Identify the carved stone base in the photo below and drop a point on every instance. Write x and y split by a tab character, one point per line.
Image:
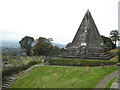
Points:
97	56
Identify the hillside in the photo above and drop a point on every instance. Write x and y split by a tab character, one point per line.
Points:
10	44
63	77
15	44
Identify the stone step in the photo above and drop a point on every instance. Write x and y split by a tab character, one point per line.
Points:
4	81
22	74
93	57
90	54
107	56
110	56
4	87
100	55
8	82
11	79
101	58
26	71
5	84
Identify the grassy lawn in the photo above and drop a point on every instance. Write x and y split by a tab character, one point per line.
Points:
62	77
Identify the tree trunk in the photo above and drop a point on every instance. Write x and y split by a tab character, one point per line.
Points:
115	41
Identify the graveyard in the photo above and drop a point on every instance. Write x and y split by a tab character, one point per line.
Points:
83	63
73	72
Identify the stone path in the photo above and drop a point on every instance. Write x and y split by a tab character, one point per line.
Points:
115	85
106	80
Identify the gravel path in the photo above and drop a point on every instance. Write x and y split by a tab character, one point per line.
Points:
105	81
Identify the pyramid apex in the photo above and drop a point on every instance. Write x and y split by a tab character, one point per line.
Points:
88	11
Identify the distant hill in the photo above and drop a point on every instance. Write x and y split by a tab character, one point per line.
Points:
15	44
9	50
59	45
10	44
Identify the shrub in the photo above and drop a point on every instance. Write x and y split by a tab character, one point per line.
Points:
16	69
76	62
11	70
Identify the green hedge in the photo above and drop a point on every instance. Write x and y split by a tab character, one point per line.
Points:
76	62
16	69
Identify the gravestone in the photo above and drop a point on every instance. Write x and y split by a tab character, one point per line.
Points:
87	42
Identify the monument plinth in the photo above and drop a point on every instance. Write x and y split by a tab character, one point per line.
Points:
87	42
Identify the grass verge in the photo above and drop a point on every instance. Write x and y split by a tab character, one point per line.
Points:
110	83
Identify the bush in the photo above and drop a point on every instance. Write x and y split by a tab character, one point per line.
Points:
16	69
76	62
11	70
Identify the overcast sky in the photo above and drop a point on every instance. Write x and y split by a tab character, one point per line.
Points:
57	19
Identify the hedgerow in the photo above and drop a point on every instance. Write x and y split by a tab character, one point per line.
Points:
77	62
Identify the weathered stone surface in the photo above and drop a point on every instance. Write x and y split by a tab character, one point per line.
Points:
87	42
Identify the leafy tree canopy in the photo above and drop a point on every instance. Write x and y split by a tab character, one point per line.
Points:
108	43
26	44
56	50
43	46
115	36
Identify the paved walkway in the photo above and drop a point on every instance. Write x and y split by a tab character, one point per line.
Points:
116	83
106	80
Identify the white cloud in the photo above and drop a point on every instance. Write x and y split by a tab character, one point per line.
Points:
58	19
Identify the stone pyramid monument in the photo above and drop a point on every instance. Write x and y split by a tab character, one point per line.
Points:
87	42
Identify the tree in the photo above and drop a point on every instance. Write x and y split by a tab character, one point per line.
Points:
26	44
55	50
43	46
62	50
108	42
119	55
115	36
